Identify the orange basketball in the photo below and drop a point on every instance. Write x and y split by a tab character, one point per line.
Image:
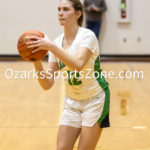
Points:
26	53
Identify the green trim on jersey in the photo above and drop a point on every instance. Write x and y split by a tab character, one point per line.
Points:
104	85
61	65
75	80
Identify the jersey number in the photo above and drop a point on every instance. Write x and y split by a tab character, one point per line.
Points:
75	80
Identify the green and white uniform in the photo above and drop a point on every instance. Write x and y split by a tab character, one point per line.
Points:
84	87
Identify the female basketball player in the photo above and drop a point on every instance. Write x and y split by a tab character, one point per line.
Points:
86	109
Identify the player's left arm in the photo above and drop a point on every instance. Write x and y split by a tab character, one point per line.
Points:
73	62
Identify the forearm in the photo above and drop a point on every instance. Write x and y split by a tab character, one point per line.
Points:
73	62
44	82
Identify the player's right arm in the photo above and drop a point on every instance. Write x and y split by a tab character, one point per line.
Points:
46	82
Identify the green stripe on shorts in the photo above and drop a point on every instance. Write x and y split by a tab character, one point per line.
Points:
104	85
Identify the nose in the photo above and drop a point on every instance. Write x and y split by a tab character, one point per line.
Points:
60	12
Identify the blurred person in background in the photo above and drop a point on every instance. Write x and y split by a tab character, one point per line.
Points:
94	10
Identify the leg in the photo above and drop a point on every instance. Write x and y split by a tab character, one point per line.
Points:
97	28
89	137
66	137
94	26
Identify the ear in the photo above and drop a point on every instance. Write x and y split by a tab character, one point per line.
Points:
78	14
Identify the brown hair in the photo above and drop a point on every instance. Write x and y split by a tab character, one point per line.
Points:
77	5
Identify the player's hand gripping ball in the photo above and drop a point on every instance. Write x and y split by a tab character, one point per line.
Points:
28	53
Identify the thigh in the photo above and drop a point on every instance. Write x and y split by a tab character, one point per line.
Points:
89	137
66	137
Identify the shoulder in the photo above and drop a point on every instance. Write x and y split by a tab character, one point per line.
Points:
87	34
85	31
88	39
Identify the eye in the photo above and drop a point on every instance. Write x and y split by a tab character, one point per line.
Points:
66	8
59	8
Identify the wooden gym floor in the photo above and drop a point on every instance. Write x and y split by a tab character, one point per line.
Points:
29	116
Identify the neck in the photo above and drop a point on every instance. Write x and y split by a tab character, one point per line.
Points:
70	32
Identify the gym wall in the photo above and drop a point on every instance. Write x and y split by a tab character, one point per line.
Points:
115	38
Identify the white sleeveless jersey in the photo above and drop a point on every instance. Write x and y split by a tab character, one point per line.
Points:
88	82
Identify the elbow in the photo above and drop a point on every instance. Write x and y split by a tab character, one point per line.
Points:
47	87
79	68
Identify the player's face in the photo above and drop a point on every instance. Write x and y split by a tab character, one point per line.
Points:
66	13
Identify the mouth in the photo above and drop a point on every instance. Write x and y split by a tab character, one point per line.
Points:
61	19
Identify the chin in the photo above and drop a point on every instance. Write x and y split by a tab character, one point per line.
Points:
62	24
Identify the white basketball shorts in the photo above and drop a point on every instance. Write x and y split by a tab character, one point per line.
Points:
88	112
